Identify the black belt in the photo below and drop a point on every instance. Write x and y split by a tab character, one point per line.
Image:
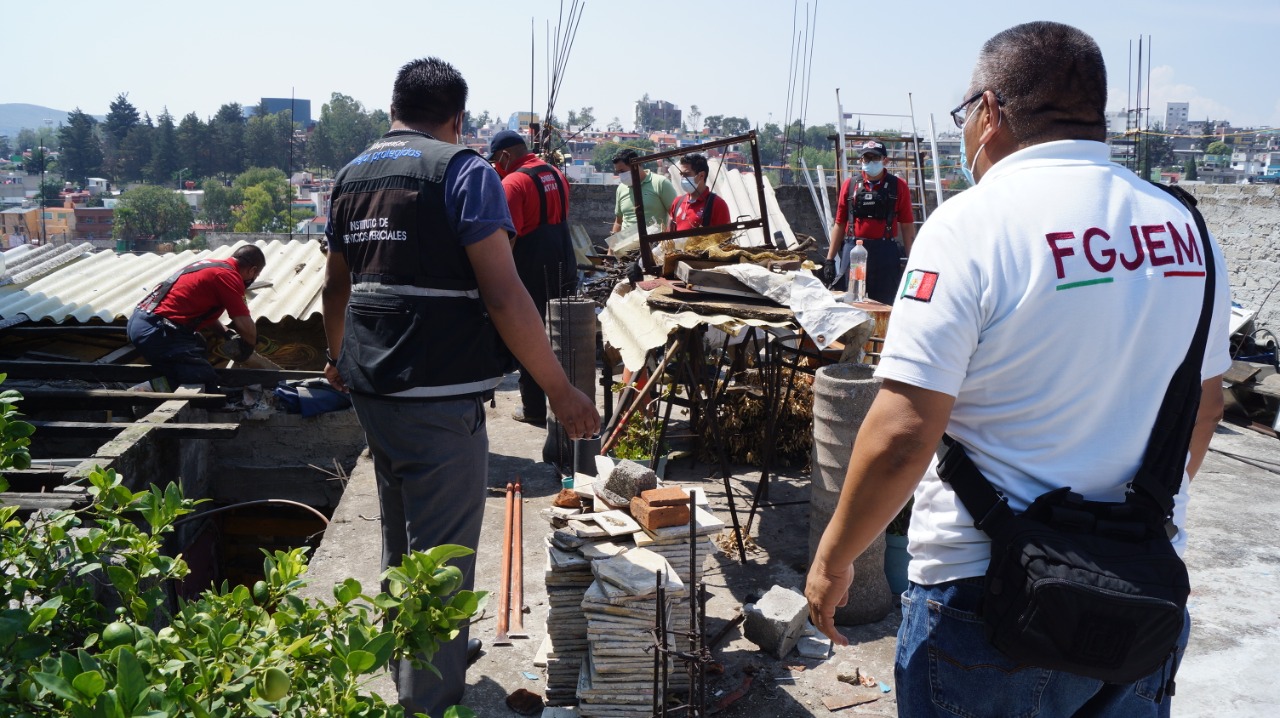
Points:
167	323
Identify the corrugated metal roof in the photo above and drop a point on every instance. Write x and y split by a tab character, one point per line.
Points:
107	286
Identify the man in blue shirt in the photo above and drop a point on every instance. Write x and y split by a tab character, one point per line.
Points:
420	294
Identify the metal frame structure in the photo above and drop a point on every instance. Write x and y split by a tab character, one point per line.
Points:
648	240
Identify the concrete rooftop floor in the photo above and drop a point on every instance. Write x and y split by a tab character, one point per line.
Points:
1234	557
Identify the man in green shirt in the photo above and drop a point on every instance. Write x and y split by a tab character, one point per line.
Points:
657	191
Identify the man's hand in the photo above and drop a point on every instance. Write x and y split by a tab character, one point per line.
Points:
828	272
335	379
576	413
828	589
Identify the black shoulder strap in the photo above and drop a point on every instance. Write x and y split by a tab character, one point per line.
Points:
533	174
1159	477
708	208
891	187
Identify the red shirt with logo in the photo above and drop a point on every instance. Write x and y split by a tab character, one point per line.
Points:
874	228
197	294
522	195
686	212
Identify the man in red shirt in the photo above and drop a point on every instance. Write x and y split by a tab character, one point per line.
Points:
880	206
166	324
699	206
538	197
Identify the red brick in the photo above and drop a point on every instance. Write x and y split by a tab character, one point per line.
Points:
669	496
657	517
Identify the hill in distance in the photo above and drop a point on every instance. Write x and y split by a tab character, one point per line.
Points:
16	115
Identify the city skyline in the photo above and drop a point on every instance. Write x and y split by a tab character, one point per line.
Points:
728	58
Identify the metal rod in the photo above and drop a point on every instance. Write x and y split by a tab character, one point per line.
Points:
504	586
517	567
640	395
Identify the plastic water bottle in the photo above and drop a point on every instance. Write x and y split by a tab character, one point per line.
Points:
857	290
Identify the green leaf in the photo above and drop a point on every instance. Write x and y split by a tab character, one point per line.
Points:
458	712
360	661
57	685
18	430
130	682
122	578
45	613
89	683
381	647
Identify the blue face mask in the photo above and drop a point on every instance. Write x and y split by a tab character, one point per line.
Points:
873	168
966	168
689	185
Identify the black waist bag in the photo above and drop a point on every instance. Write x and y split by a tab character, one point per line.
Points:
1094	588
1085	587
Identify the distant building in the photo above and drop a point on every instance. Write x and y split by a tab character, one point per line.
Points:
1175	116
519	121
273	105
93	223
659	115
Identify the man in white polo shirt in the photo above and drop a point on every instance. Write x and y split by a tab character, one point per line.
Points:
1042	315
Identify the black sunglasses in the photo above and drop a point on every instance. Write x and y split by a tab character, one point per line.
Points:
958	115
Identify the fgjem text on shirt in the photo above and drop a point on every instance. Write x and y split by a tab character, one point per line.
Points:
1096	252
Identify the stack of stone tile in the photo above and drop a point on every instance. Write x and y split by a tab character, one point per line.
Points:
616	679
672	542
568	576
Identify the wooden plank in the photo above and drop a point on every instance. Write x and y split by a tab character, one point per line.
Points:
61	501
101	398
138	373
108	430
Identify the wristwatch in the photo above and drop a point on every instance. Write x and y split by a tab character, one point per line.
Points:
329	357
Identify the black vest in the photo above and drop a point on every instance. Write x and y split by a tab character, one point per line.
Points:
544	256
415	324
867	203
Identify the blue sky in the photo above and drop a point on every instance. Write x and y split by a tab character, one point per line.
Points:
728	57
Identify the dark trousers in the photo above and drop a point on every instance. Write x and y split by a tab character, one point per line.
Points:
179	354
884	269
431	460
548	271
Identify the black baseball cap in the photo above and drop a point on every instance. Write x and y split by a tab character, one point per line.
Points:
503	140
871	147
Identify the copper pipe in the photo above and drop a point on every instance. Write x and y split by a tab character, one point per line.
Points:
504	586
517	568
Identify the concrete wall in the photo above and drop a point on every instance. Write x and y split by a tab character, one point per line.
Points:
1246	221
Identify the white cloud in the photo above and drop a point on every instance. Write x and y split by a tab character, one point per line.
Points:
1165	89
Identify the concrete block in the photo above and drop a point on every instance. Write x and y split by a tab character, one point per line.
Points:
776	621
626	482
656	517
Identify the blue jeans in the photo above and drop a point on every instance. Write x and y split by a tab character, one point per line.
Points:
945	667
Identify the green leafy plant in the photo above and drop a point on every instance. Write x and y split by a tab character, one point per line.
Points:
87	630
639	439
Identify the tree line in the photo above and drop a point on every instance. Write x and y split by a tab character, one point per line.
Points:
128	146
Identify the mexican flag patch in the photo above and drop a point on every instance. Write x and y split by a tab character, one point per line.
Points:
919	285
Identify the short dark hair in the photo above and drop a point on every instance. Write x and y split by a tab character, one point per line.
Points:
249	256
428	91
1051	80
625	156
697	162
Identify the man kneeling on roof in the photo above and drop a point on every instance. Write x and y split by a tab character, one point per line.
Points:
165	327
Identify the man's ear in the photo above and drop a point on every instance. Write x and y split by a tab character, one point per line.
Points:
993	119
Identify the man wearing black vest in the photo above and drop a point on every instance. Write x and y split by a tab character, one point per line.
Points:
420	295
165	327
874	206
538	197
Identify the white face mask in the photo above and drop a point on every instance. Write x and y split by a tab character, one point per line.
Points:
689	184
873	168
625	178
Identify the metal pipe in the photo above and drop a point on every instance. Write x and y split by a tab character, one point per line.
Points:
517	567
504	585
